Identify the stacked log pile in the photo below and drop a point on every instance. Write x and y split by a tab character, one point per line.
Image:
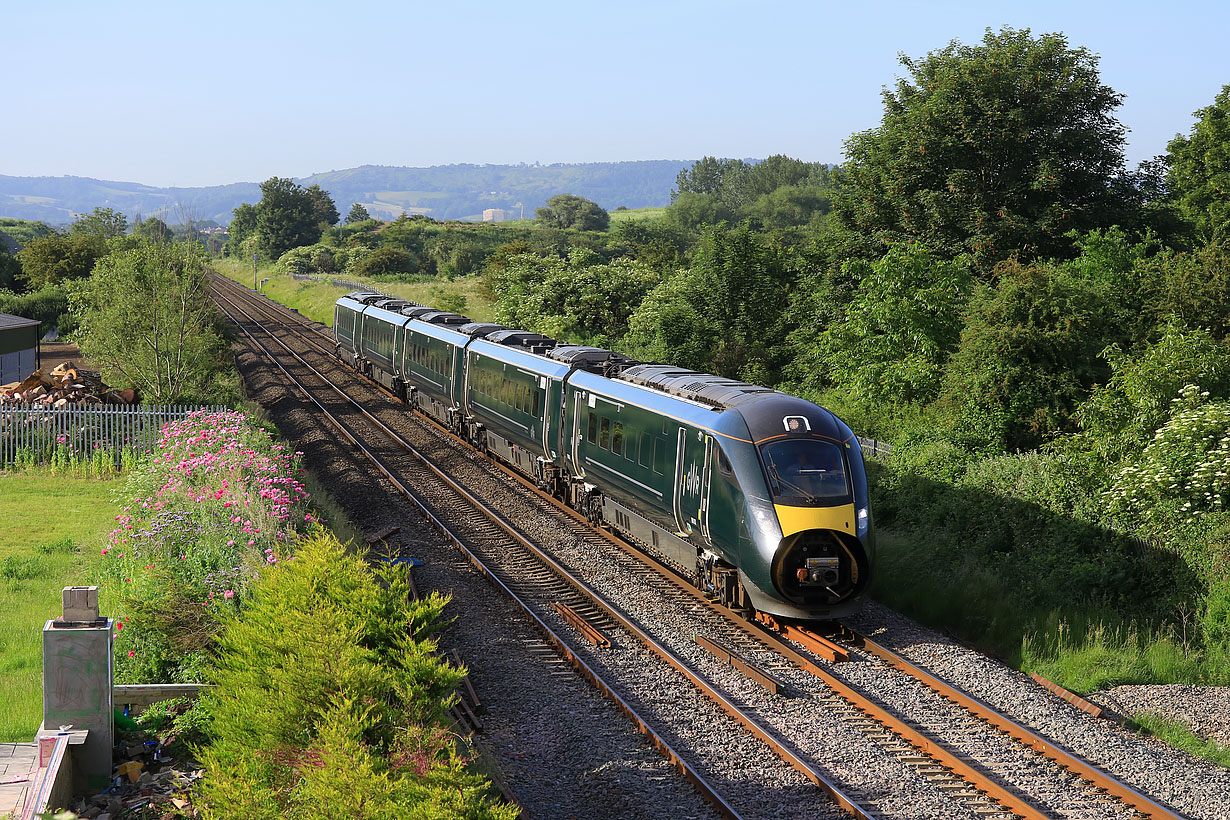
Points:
63	386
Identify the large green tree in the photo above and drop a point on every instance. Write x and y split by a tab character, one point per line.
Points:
287	216
571	211
725	314
147	320
897	331
58	258
996	150
105	223
1199	173
326	210
357	214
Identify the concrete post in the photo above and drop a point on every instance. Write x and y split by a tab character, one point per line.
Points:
77	678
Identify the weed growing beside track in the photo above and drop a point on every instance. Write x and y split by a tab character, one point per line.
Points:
218	499
328	697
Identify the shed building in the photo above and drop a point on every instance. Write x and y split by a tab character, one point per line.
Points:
18	347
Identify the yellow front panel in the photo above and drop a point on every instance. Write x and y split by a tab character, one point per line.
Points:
797	519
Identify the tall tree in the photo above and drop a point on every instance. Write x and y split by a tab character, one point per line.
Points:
1199	174
707	176
286	217
242	225
357	214
147	320
326	210
105	223
571	211
725	314
995	150
153	229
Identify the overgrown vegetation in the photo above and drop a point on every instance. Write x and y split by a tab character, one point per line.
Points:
329	700
328	697
218	499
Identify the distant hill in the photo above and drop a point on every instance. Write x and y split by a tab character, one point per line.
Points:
442	191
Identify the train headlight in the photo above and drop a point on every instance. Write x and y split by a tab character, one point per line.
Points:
861	526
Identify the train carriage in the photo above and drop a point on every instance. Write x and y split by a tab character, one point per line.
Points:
513	392
433	364
376	339
347	313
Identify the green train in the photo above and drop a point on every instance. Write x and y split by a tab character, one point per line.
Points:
760	496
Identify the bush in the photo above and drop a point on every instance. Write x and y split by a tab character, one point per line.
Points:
49	305
218	500
330	702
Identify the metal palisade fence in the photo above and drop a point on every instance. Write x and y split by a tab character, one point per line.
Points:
34	433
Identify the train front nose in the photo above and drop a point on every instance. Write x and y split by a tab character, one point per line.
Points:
820	560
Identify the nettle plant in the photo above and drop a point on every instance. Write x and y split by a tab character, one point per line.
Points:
1183	474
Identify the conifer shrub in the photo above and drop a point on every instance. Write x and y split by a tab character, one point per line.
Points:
329	700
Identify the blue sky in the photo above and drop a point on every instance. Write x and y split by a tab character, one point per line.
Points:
238	92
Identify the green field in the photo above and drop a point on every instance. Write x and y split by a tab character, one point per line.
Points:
51	531
315	299
637	215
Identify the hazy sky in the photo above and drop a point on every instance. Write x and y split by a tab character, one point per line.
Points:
241	91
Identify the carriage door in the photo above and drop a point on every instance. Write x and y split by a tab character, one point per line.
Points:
691	480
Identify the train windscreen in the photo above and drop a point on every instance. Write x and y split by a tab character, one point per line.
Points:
806	468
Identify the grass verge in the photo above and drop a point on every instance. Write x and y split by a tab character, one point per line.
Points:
1082	649
1178	735
315	299
50	531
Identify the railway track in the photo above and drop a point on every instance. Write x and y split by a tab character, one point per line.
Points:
955	753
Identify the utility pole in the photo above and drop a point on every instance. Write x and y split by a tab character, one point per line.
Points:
254	286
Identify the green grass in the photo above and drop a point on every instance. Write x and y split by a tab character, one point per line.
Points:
637	215
315	299
51	531
1176	733
1081	649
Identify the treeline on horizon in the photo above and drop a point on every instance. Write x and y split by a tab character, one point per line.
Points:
1042	332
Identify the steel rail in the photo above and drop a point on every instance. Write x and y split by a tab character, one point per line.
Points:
707	791
1084	769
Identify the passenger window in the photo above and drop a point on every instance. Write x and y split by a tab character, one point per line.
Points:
617	438
537	403
604	434
593	429
659	456
646	450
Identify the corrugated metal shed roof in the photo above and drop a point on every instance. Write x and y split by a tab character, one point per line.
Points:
8	321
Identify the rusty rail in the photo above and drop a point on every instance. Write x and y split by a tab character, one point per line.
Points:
1142	803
